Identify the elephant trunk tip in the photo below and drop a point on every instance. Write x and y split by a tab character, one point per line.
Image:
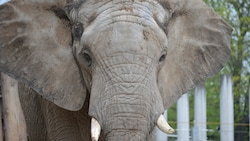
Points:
95	129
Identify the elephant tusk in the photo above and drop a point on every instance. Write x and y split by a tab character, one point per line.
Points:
164	126
95	129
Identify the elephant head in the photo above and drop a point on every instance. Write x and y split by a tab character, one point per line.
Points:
134	58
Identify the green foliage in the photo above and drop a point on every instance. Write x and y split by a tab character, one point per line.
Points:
172	116
213	107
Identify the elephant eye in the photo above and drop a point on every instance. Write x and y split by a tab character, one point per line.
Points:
162	58
87	59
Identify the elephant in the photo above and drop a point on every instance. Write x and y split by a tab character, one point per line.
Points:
107	69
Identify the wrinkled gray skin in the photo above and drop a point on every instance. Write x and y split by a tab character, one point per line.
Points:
122	62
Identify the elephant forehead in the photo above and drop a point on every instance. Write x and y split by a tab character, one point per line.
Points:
127	37
123	26
102	13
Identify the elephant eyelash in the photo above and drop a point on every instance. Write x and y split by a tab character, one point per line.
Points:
163	57
86	58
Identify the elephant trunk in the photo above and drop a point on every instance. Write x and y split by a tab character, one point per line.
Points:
128	105
129	114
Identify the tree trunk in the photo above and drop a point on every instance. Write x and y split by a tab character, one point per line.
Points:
15	127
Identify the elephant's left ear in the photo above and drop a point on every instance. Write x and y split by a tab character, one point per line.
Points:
35	48
199	46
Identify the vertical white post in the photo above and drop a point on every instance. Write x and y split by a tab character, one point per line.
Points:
183	118
200	117
226	109
159	135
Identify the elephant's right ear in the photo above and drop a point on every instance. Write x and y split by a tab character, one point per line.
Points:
199	46
35	48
